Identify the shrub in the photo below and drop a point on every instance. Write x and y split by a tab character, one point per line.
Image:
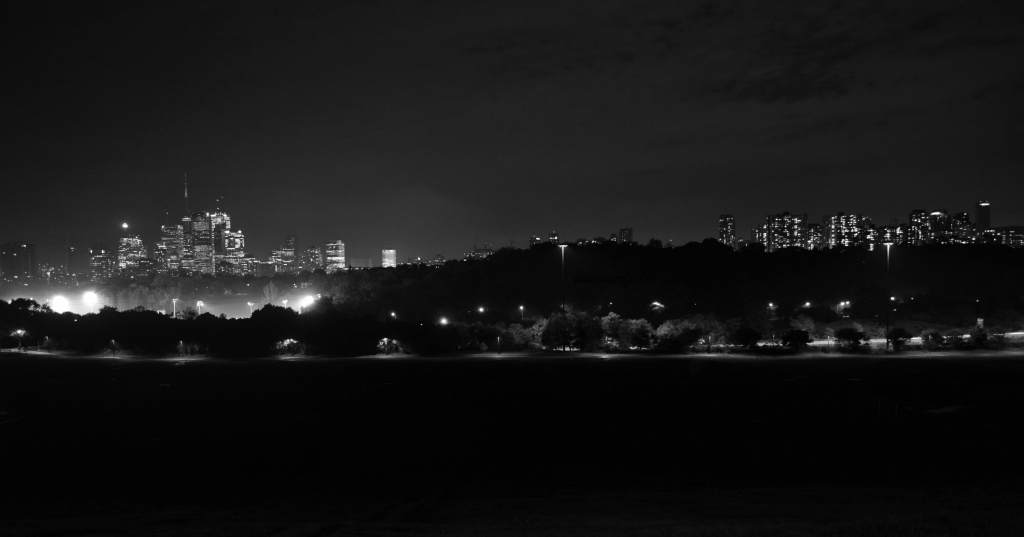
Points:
931	339
899	337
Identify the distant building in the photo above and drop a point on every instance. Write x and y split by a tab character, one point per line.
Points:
102	262
815	237
782	230
130	251
919	227
437	261
626	235
535	240
388	258
478	253
963	231
553	237
846	230
983	215
18	261
283	258
727	230
335	257
168	249
312	259
202	243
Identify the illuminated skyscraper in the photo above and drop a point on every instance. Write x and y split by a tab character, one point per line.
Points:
847	230
919	227
18	261
983	216
727	230
815	237
168	248
389	258
335	261
312	259
784	231
283	258
102	262
130	251
202	243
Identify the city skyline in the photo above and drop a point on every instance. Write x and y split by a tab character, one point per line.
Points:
430	128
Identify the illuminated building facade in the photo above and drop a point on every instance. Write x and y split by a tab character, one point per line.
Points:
312	259
18	261
130	251
727	230
388	258
202	243
782	230
553	237
919	227
335	257
168	248
626	235
535	240
102	262
846	230
815	237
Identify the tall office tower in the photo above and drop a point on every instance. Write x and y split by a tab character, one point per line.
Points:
940	227
168	248
815	237
388	258
626	235
75	262
553	237
283	258
335	261
187	246
312	259
727	230
963	230
785	231
220	226
847	230
202	243
102	262
130	251
18	261
919	227
983	215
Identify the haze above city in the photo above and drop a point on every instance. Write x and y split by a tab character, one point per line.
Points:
433	127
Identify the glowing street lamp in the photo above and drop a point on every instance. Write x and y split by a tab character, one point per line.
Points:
480	309
444	321
91	298
393	315
306	301
250	308
888	291
521	313
562	248
19	332
285	302
199	305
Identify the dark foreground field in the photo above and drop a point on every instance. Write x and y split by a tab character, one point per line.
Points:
512	446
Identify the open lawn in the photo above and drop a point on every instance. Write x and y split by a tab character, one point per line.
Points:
488	445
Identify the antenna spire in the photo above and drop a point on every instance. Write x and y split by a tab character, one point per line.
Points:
186	192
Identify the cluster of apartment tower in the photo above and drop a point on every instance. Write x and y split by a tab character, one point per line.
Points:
787	230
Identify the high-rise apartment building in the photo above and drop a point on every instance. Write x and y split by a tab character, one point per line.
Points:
983	215
963	231
626	235
815	237
18	261
783	231
312	259
388	258
848	230
919	229
335	261
727	230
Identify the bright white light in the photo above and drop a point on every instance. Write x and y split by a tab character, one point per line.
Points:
807	304
90	298
59	304
444	320
306	301
125	225
480	309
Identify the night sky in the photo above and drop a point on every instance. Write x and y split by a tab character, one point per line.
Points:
431	126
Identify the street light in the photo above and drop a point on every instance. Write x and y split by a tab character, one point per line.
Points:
393	315
174	308
444	321
285	302
562	248
521	314
888	292
199	305
19	332
91	298
250	308
480	309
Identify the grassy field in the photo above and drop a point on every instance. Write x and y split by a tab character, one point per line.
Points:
542	445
